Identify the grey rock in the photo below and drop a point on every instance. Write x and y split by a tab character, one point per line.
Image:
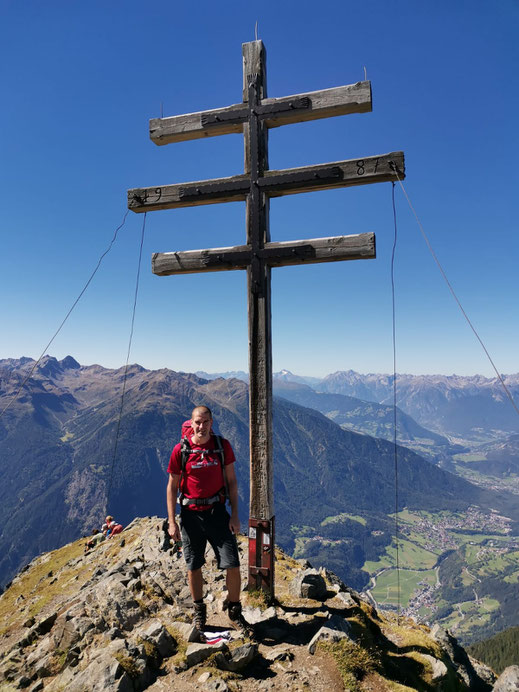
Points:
134	585
309	584
204	677
279	653
186	631
237	659
459	658
37	686
158	635
43	666
196	653
103	674
68	632
333	631
336	622
333	579
44	647
256	615
114	602
508	681
304	563
347	599
114	633
439	669
484	672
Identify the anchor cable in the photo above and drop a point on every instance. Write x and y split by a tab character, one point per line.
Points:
395	446
118	428
458	302
33	368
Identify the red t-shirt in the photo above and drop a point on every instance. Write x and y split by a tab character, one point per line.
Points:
203	476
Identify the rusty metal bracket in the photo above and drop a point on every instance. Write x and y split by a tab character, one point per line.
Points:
287	180
261	555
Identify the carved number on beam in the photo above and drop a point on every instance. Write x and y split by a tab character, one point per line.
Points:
373	169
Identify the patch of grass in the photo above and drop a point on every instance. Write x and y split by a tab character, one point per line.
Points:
468	457
211	667
410	635
258	599
386	590
150	650
340	518
353	661
37	580
128	664
57	661
179	659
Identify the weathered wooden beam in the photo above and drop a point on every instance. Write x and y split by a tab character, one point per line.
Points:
326	103
371	169
277	254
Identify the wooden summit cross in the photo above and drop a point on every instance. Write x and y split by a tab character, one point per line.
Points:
254	116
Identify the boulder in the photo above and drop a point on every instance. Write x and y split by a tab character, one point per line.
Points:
336	628
459	658
439	669
347	599
309	584
508	681
187	631
484	672
237	659
196	653
103	674
161	638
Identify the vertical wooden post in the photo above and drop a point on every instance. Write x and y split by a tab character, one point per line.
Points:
261	522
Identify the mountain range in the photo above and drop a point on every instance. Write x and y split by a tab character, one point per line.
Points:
60	461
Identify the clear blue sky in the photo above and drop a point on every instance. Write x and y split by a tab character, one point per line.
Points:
80	81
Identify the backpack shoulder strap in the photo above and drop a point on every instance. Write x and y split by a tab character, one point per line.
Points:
218	448
185	451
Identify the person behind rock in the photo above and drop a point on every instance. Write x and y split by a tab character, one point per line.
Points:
112	527
205	518
97	537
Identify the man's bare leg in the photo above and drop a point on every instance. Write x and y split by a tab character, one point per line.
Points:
196	583
233	581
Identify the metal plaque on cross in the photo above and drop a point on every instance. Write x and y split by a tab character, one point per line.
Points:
253	117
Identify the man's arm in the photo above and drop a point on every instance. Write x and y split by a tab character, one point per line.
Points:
171	495
232	487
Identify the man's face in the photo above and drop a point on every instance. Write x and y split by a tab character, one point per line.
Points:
201	424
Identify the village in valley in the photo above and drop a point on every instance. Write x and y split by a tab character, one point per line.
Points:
479	545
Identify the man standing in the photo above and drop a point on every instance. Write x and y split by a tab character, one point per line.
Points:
208	475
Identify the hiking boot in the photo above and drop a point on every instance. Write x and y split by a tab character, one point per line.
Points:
199	619
236	617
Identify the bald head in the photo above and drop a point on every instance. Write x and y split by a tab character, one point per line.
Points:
201	410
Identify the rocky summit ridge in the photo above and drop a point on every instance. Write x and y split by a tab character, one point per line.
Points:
118	619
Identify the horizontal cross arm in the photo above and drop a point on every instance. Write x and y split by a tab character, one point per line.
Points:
343	100
326	176
279	254
371	169
182	128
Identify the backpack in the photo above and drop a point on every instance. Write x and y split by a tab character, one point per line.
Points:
185	451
